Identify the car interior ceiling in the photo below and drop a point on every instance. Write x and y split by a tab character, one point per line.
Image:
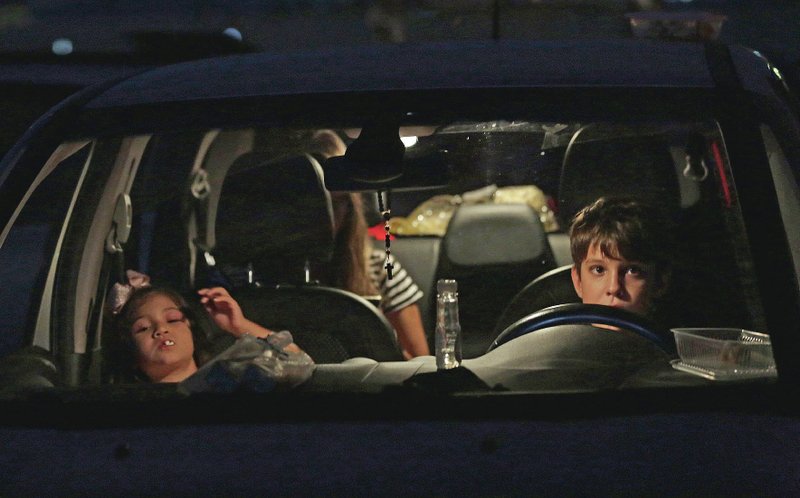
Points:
268	212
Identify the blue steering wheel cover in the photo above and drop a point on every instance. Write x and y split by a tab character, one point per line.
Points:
565	314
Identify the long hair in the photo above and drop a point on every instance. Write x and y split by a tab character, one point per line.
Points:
351	249
121	350
349	264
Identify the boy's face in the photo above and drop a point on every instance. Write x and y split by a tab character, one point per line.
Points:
614	281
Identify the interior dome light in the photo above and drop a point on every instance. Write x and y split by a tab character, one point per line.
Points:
409	141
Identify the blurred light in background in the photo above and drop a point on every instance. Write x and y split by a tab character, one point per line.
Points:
233	33
62	46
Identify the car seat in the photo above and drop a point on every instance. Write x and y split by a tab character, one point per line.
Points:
548	289
274	216
274	219
595	165
492	251
641	167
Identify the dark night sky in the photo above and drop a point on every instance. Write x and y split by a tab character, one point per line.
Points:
100	26
106	39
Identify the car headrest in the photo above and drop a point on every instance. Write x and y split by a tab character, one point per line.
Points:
493	234
594	166
274	215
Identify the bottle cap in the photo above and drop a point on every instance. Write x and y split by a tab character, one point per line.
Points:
446	285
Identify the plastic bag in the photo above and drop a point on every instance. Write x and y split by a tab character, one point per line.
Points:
432	216
253	364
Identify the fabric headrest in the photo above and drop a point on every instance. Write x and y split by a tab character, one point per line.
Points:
493	234
640	167
273	213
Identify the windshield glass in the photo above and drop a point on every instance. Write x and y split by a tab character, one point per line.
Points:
271	216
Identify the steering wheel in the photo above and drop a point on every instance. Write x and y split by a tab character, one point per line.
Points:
572	313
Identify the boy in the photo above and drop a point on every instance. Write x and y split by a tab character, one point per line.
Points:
621	251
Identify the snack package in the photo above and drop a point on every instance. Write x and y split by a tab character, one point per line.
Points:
253	364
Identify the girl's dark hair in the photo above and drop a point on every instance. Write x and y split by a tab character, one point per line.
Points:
349	262
122	349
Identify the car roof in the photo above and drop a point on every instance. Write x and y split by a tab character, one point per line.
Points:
438	66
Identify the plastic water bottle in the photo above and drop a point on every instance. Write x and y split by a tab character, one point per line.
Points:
448	330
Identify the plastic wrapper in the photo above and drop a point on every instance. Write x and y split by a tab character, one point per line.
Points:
432	216
253	364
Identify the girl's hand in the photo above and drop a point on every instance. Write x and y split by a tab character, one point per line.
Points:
223	309
227	313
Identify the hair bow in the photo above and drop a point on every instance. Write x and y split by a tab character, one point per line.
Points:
120	293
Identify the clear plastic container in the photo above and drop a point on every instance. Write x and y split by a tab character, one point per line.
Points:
448	329
724	353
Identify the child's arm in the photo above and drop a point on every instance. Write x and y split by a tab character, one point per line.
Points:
227	314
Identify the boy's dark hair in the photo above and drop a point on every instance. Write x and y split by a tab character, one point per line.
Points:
122	349
623	227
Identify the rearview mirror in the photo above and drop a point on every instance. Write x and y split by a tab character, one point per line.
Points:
376	161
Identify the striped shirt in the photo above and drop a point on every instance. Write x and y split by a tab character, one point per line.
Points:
397	293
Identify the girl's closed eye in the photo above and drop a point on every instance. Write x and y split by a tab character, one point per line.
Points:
139	327
174	316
